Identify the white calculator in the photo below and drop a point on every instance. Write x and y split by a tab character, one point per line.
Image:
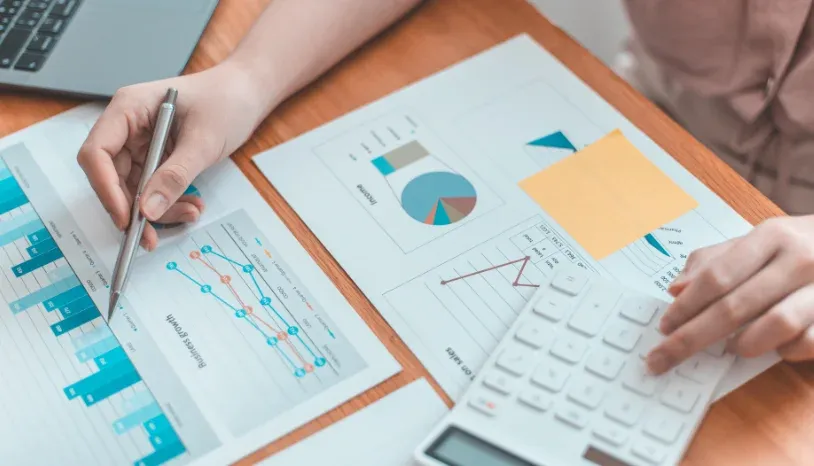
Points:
568	386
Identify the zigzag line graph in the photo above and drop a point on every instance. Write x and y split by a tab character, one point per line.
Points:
516	283
277	332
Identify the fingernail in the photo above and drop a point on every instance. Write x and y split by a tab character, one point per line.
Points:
188	217
675	288
155	206
657	363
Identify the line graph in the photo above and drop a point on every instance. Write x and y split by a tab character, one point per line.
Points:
261	332
522	261
277	329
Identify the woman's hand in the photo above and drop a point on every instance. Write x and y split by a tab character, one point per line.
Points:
217	110
757	291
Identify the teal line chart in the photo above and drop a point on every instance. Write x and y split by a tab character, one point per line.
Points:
279	333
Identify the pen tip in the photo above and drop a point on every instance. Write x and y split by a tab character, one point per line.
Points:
114	302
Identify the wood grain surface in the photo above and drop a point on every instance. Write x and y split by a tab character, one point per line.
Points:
766	422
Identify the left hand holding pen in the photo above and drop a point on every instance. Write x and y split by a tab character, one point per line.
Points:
757	291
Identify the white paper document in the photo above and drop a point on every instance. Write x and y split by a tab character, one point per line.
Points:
432	199
385	433
229	336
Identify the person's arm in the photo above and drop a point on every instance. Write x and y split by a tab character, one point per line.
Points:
291	44
294	41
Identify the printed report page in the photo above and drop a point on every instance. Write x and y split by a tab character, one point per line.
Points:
229	336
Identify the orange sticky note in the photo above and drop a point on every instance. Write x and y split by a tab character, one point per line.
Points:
608	195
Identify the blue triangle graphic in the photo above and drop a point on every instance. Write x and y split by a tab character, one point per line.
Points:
554	140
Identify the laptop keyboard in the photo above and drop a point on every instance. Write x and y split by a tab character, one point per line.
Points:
29	29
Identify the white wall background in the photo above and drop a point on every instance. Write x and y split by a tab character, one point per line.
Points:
602	31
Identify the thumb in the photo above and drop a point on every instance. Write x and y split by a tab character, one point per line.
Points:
173	177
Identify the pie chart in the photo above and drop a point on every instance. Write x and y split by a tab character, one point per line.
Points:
439	198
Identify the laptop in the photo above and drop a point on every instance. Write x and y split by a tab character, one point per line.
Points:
91	48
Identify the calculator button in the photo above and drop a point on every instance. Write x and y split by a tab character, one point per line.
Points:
716	349
572	416
591	314
622	336
515	360
569	282
485	404
569	348
534	334
649	452
551	376
649	341
664	427
680	395
640	310
611	434
624	409
499	382
638	380
701	368
586	393
535	399
605	364
553	306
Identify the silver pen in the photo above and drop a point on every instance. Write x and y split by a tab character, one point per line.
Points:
132	236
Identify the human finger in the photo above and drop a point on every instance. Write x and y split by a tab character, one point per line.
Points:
780	325
180	212
697	259
723	318
189	158
799	349
149	237
96	157
719	277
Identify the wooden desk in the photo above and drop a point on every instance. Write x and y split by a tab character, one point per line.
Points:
764	422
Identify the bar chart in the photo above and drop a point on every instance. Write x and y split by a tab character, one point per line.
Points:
69	358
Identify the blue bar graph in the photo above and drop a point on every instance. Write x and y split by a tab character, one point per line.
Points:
75	321
10	204
90	337
15	223
136	418
43	294
113	387
65	297
163	438
43	246
157	424
59	273
37	262
110	358
98	380
9	235
76	306
9	187
166	453
39	235
165	450
139	399
62	291
100	347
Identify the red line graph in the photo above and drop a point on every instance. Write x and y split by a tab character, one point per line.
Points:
516	282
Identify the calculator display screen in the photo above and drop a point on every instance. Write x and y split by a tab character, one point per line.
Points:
458	448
